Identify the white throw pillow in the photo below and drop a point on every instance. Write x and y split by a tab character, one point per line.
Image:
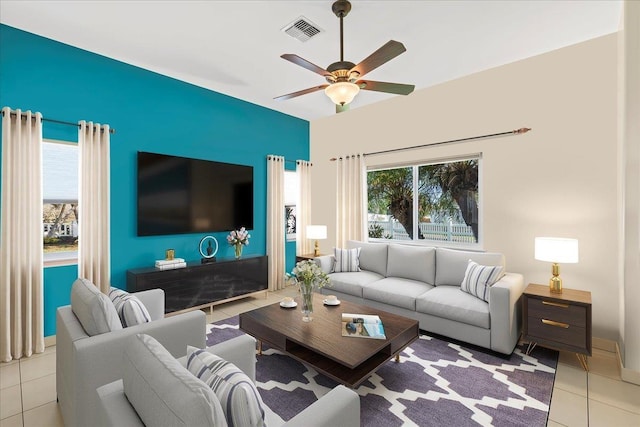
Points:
479	278
94	310
162	391
346	260
129	308
238	395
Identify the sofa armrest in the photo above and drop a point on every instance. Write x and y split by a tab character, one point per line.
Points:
153	300
325	262
114	407
505	312
339	407
241	351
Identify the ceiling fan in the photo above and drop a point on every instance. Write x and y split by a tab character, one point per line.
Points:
343	76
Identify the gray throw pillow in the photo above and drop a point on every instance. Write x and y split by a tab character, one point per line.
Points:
238	395
129	308
479	278
94	310
162	391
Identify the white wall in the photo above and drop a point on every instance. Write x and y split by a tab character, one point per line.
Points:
630	147
560	179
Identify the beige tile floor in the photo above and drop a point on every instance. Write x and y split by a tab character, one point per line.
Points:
597	398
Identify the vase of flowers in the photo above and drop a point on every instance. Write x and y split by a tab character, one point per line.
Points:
238	239
309	277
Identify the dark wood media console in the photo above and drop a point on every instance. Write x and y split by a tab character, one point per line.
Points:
199	285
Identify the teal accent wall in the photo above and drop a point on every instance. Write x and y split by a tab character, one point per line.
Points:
150	112
57	291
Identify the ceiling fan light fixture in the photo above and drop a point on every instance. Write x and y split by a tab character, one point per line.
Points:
342	93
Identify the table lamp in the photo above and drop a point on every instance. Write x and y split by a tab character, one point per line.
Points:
317	232
556	250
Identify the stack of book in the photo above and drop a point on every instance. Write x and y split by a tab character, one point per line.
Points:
170	264
362	326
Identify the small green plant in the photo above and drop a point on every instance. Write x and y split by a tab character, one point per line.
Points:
51	240
376	231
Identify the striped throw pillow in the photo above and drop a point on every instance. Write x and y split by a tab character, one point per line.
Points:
479	278
346	260
238	395
130	309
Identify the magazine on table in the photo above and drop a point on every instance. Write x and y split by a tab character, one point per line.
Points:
362	326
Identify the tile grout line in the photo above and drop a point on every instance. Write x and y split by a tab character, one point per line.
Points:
588	411
21	398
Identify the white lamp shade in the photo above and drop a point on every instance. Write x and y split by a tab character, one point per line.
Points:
342	93
317	232
556	249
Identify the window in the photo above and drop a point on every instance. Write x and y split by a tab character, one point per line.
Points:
60	202
435	202
290	202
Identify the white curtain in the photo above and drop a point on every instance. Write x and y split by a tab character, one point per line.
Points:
94	261
21	295
275	221
351	203
304	246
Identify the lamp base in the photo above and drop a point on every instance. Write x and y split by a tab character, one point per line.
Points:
316	249
555	285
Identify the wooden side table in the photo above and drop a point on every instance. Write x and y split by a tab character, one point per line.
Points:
558	321
305	257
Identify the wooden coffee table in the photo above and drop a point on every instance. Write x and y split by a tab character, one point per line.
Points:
320	344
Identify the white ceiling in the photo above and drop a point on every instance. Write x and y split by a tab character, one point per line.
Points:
234	47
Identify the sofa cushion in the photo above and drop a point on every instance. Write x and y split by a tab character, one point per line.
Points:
412	262
396	291
129	308
162	391
352	283
373	256
94	310
239	397
346	260
479	278
450	302
451	264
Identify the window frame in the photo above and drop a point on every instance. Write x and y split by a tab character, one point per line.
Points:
291	200
478	246
71	259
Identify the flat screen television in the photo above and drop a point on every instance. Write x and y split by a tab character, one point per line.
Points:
181	195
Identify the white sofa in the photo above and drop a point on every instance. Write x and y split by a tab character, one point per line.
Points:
339	407
424	283
85	362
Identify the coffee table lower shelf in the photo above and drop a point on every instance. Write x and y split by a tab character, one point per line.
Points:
351	377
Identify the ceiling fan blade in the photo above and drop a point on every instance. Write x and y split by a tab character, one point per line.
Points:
386	53
305	64
397	88
300	92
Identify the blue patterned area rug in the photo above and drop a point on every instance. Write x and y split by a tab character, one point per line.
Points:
436	383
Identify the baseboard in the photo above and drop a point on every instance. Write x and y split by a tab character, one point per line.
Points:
627	375
50	341
604	344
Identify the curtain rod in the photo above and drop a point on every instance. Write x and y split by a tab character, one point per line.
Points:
291	161
13	113
492	135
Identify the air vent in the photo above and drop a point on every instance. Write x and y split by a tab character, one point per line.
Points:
302	29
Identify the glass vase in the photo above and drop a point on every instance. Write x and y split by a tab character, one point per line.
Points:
238	250
306	290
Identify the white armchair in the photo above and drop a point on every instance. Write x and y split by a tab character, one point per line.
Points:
339	407
83	362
